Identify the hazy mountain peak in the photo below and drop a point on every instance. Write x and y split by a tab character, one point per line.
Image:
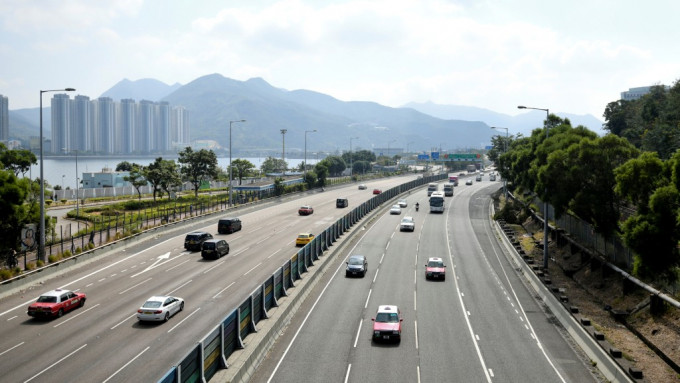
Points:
143	89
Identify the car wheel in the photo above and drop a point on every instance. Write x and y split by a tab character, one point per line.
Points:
82	302
60	313
167	317
181	307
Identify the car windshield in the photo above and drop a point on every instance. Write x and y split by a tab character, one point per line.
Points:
387	317
209	245
406	220
395	207
152	304
47	299
303	236
435	264
356	261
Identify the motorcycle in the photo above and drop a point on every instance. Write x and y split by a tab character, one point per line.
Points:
417	206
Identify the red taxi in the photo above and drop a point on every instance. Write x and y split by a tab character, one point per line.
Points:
435	269
55	303
306	210
387	323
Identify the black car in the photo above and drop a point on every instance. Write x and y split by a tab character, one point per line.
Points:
214	248
193	241
356	265
341	202
228	225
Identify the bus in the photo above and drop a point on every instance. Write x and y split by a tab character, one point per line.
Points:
433	187
448	190
453	180
437	202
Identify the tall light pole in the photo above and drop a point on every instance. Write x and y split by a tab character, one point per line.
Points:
505	150
545	202
77	188
283	149
305	163
62	182
388	150
41	248
230	170
351	169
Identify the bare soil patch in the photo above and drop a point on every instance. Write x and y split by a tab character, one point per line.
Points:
597	291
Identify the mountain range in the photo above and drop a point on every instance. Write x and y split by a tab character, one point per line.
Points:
326	122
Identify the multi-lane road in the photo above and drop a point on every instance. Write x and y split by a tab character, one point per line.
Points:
479	325
103	341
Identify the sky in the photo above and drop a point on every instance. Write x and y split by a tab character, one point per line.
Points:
571	57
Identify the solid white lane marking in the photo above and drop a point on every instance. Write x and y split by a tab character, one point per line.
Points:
368	297
130	288
415	325
214	266
356	339
179	287
349	367
126	364
75	316
55	363
254	267
182	321
11	348
221	291
123	321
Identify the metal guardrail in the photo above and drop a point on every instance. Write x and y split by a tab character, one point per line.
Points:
211	353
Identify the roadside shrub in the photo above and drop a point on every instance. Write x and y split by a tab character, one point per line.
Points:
66	254
48	202
78	250
41	263
90	246
30	266
5	274
63	200
52	258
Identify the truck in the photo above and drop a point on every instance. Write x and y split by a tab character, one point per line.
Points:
471	168
453	180
448	190
433	187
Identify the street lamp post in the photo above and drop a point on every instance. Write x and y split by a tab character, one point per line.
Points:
505	150
62	182
283	149
77	189
230	170
351	169
304	170
545	202
388	151
41	248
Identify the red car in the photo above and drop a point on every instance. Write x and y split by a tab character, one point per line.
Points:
387	323
435	269
377	191
55	303
306	210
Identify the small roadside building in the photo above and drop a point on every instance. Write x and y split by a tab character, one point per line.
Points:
107	178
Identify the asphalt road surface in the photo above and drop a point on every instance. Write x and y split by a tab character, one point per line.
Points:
479	325
104	342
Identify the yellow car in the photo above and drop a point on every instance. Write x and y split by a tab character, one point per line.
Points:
303	239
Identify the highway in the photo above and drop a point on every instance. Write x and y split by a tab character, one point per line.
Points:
103	341
479	325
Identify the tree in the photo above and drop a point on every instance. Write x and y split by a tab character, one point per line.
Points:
335	165
136	178
321	174
198	166
172	179
361	167
310	179
125	166
15	211
18	160
157	172
272	165
241	168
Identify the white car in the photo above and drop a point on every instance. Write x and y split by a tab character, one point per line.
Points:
160	308
362	187
407	224
395	209
402	203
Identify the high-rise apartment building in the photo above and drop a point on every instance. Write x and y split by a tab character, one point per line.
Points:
4	118
106	127
61	123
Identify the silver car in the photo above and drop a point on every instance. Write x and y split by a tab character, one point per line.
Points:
402	203
407	224
395	209
160	308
